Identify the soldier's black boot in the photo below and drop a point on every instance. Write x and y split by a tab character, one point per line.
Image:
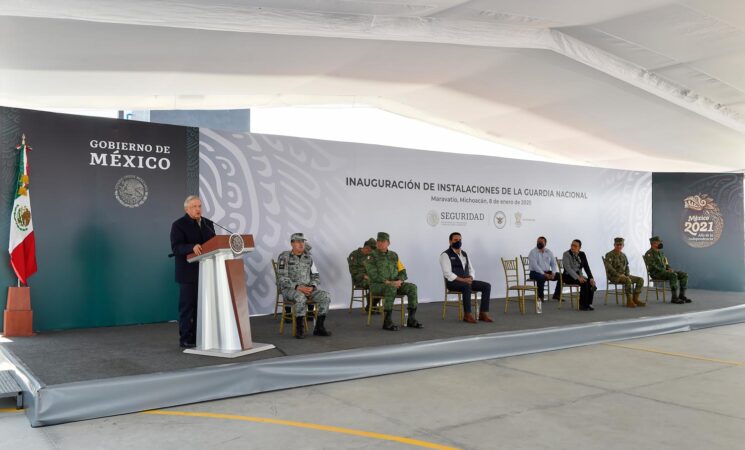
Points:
412	322
677	300
683	296
300	327
388	323
320	329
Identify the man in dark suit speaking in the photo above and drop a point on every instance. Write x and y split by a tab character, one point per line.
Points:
187	235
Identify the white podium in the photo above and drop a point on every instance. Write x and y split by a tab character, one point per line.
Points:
223	321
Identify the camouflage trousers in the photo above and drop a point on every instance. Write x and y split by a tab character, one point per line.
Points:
319	297
676	278
389	293
631	284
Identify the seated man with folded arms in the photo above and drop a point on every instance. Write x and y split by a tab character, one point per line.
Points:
388	279
356	261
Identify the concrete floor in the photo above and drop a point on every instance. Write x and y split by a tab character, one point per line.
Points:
681	391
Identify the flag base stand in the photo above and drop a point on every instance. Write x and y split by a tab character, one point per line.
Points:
18	317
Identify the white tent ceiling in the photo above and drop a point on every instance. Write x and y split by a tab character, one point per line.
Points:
639	84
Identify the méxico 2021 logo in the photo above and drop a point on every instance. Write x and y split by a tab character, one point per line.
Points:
702	221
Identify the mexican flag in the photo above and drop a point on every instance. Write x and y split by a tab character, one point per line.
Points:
22	246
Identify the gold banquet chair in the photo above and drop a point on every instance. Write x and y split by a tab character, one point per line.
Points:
278	297
526	275
288	308
656	285
376	304
573	288
458	303
359	294
512	279
616	291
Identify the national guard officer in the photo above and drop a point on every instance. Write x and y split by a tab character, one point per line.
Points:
356	261
617	268
659	269
298	281
388	278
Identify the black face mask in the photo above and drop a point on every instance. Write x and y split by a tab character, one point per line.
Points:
659	247
540	245
457	245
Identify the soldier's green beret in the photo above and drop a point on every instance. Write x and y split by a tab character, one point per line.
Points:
618	240
370	243
383	236
655	239
297	237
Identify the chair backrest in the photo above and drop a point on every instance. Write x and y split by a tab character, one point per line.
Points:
510	271
606	268
526	266
560	266
646	267
276	278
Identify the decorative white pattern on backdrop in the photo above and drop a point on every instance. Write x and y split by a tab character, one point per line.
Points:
273	186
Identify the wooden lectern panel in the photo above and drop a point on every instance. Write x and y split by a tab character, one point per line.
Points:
239	296
222	241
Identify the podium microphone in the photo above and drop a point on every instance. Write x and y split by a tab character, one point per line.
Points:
229	231
171	255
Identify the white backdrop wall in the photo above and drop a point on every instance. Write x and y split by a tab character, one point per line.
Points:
273	186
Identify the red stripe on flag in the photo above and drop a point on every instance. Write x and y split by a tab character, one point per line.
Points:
23	258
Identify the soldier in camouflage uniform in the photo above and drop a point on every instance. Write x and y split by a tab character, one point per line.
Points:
356	261
617	268
659	269
388	278
298	281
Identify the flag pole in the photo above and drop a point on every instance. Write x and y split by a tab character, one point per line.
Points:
23	143
18	315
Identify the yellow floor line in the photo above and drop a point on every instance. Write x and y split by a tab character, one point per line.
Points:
2	410
312	426
680	355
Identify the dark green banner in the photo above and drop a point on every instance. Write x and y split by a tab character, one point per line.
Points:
104	193
699	217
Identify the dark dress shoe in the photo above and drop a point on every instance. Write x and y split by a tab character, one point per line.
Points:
484	317
188	344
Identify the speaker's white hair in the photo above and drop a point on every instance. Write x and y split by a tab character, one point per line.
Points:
189	199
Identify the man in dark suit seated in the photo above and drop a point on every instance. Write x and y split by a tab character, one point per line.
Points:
577	271
187	236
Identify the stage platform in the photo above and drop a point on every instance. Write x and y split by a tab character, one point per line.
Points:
81	374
